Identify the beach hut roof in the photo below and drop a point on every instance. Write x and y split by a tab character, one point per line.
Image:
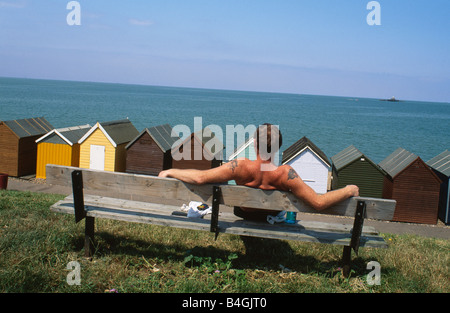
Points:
346	156
29	127
299	146
241	148
162	135
117	132
441	163
70	135
350	155
397	161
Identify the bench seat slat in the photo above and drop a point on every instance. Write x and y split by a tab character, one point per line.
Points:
169	215
161	209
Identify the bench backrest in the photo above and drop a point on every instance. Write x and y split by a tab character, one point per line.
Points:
172	191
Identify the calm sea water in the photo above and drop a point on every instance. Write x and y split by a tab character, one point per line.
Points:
375	127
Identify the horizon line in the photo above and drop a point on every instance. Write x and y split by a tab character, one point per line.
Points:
218	89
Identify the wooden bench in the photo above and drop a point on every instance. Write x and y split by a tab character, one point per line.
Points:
154	200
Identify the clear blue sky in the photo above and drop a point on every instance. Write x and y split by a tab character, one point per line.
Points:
320	47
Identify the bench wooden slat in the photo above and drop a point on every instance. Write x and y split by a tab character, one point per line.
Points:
382	209
171	191
163	215
92	202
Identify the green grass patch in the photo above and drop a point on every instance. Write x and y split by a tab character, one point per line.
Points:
36	245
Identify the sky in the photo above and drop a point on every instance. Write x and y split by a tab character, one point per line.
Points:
319	47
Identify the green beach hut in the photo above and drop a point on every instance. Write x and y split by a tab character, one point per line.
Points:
352	167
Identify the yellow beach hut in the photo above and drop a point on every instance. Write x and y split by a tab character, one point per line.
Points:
60	147
103	146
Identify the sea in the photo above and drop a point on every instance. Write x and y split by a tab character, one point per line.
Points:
376	128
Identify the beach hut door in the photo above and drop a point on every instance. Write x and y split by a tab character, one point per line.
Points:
97	160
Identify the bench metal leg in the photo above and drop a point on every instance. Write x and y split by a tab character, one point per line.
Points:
89	236
215	211
358	223
78	197
346	260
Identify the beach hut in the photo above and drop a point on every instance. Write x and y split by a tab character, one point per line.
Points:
103	146
60	147
18	148
150	152
352	167
311	164
440	164
414	186
200	150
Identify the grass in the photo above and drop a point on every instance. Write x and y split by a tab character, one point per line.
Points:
36	246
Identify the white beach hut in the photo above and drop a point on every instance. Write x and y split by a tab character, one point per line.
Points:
311	164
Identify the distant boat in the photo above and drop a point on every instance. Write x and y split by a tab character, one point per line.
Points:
392	99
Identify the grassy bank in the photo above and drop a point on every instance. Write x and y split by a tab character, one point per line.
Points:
36	245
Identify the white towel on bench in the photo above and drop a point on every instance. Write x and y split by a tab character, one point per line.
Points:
193	209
